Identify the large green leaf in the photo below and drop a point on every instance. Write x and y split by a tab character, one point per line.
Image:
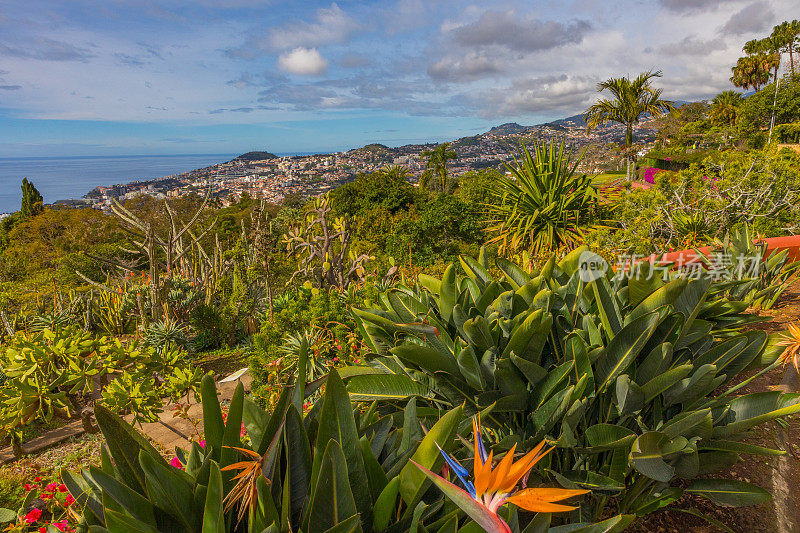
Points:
298	458
384	387
442	434
170	491
623	349
213	512
336	422
607	307
754	409
124	444
331	501
131	501
665	295
729	492
648	457
426	358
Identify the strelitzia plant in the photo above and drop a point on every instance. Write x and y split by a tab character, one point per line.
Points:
492	487
791	340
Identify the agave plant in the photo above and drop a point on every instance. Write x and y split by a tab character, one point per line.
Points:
544	203
167	334
51	321
760	277
617	372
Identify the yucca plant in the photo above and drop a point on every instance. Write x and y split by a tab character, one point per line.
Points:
760	278
617	372
544	203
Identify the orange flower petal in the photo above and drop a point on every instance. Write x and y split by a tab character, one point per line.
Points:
540	500
523	466
498	478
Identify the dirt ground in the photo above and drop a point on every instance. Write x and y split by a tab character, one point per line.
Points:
779	475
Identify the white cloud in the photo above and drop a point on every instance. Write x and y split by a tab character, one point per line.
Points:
305	61
331	25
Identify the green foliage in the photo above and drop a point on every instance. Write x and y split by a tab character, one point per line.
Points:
436	164
761	279
702	203
55	372
32	200
334	469
545	204
618	372
391	218
756	111
323	312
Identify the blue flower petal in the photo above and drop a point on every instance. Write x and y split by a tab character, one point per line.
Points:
459	471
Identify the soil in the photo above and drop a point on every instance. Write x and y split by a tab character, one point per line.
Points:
779	475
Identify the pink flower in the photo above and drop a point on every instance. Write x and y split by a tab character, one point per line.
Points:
243	432
176	463
203	443
33	516
45	495
61	526
51	487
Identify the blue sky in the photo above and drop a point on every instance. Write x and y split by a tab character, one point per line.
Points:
106	77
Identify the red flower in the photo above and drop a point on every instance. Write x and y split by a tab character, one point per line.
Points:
51	487
33	516
45	495
42	529
62	488
37	479
69	501
61	526
28	487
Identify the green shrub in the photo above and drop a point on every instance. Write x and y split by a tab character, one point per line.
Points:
334	469
620	372
306	308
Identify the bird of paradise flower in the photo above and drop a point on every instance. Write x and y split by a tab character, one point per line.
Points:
491	488
791	340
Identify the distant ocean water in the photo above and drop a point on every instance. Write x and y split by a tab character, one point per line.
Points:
62	178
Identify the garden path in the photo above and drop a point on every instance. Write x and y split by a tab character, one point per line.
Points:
172	430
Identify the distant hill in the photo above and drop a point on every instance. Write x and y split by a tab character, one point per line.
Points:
256	156
509	128
574	120
375	148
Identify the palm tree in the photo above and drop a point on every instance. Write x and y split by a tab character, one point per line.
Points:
788	34
632	100
394	172
725	107
750	72
437	162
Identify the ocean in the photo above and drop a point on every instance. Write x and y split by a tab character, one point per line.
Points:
61	178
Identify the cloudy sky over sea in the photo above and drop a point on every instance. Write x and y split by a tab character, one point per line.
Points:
104	77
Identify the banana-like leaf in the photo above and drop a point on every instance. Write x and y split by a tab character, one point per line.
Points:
336	422
442	434
623	349
729	492
213	513
331	501
647	456
384	387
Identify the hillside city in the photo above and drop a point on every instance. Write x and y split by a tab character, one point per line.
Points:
269	177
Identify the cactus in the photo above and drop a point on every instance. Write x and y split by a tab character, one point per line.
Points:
324	247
